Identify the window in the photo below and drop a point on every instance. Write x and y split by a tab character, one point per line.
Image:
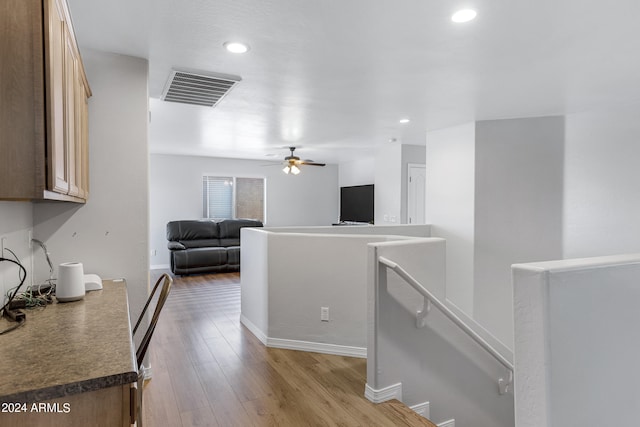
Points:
232	197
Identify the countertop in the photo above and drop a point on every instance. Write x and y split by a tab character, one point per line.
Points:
69	348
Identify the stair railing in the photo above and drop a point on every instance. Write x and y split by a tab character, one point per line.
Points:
430	300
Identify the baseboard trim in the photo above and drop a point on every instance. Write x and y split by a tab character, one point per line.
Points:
393	391
315	347
147	374
159	267
318	347
422	409
254	329
448	423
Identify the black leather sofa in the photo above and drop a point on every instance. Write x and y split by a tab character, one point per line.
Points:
206	246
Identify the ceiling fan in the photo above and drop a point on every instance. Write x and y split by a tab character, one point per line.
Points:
292	162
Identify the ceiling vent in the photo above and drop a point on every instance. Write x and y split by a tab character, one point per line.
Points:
197	88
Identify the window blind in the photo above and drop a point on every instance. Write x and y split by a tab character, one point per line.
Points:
233	197
217	193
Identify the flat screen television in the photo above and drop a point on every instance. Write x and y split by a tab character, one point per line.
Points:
356	204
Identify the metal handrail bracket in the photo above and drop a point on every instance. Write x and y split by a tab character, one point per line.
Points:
421	315
429	300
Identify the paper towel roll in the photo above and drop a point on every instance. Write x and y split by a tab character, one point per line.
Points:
70	284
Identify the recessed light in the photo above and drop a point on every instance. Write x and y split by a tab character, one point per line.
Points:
464	15
236	47
404	121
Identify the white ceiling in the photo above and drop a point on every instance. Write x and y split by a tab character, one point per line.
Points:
334	77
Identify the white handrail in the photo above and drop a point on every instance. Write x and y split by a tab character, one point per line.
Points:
447	312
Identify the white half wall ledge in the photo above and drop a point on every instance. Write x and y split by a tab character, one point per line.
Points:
159	267
398	230
393	391
564	265
313	347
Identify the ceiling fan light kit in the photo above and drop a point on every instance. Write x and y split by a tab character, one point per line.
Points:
291	169
292	162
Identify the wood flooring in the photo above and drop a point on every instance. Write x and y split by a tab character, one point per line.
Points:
209	370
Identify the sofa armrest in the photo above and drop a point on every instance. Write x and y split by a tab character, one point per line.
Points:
174	246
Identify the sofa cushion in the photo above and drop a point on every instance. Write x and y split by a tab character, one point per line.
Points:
230	228
200	243
229	242
192	230
233	256
200	270
175	246
199	257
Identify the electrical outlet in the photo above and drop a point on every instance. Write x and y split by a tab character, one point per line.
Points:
154	252
324	314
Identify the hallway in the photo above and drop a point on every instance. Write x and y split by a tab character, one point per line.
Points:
208	370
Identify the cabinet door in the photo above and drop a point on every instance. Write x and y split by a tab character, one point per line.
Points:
82	138
70	113
58	167
85	140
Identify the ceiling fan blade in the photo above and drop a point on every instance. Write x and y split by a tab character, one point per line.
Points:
311	163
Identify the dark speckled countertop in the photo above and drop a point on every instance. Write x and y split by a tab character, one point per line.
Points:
69	348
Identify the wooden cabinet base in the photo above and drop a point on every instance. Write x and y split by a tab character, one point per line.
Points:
108	407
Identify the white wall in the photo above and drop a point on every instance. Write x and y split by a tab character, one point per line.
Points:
16	221
450	162
391	181
109	234
602	182
518	209
388	175
309	271
289	273
494	192
255	281
357	172
175	193
577	347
